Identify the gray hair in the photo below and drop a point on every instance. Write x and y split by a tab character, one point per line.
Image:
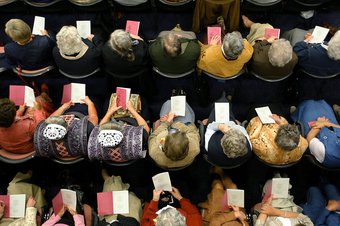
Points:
233	44
120	41
280	53
170	217
56	120
287	137
234	143
171	44
69	41
334	47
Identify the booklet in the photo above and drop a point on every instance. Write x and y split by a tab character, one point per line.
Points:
222	112
234	197
213	31
319	34
123	96
74	92
272	32
280	187
64	197
115	202
38	25
22	95
162	181
2	49
84	28
178	105
132	27
14	205
264	114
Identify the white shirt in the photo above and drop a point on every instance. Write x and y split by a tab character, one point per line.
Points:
317	148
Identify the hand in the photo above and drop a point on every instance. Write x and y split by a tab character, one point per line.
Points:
215	40
22	108
271	39
136	37
113	107
2	208
269	210
171	116
205	121
62	211
276	118
67	105
223	127
175	193
322	119
333	205
156	195
90	37
308	37
129	106
71	211
43	32
31	202
87	100
163	118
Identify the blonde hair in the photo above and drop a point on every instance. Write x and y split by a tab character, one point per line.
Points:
334	47
18	30
176	146
69	41
120	41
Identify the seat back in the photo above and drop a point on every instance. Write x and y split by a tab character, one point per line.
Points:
243	70
11	158
32	73
41	4
318	76
169	75
79	76
271	80
126	163
264	3
315	162
68	160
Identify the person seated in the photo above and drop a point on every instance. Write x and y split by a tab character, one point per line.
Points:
120	139
27	51
227	144
276	143
315	58
61	219
214	209
17	126
321	130
77	56
65	133
125	53
175	51
272	59
322	209
175	142
279	211
186	215
227	59
133	218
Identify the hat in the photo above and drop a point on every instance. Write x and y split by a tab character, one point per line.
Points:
54	132
109	138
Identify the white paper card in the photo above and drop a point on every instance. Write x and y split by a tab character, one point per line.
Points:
38	25
17	205
222	112
69	198
29	96
235	197
162	181
264	114
84	28
280	187
78	92
178	105
120	202
319	34
164	208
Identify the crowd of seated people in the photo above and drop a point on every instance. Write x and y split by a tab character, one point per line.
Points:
173	142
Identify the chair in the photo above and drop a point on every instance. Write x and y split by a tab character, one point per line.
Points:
41	4
79	76
169	75
11	158
310	3
264	3
127	76
68	160
243	70
32	73
174	6
315	162
172	168
2	3
318	76
82	3
125	7
2	69
278	166
271	80
127	163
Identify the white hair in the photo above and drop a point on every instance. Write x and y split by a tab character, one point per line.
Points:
121	42
170	217
69	41
334	47
280	53
233	44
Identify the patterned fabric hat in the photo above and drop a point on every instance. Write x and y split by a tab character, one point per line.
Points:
54	132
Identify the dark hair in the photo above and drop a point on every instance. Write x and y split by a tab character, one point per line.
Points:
287	137
7	112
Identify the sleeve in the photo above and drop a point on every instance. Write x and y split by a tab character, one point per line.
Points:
210	131
149	213
31	216
9	57
317	148
302	51
259	223
254	128
248	50
52	221
304	220
162	127
193	214
321	218
333	219
78	220
98	41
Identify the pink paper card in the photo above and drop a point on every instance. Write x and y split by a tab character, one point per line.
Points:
214	31
17	94
224	201
6	200
132	27
268	193
57	203
121	97
2	49
67	93
272	32
105	203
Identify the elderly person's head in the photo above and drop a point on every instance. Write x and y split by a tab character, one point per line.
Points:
69	41
232	45
111	134
171	44
56	128
7	112
234	143
176	146
334	46
287	137
18	31
170	217
121	42
280	53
